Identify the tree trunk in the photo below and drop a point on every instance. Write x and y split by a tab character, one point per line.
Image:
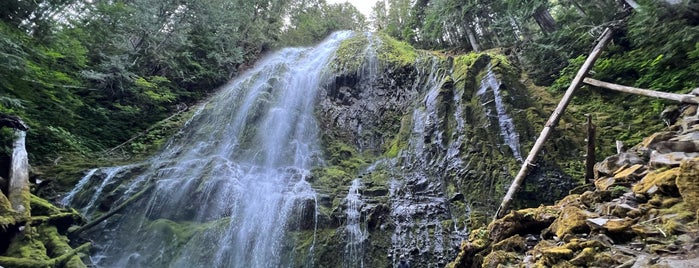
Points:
18	191
684	98
590	157
472	39
632	4
553	121
545	20
578	8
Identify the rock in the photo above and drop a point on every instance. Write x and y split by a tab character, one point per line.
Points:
571	221
457	197
531	220
688	183
555	255
645	231
587	255
672	159
685	146
498	257
609	225
611	165
670	114
514	243
658	137
662	181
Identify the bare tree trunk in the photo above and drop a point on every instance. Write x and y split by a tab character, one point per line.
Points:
545	20
553	121
18	191
632	4
590	157
578	8
472	39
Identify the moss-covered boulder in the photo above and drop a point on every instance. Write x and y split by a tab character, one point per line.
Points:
688	183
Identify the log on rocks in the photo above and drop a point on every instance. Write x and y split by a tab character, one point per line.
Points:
684	98
553	121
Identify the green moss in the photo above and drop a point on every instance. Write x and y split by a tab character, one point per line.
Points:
349	56
26	245
181	231
400	141
42	207
396	53
466	67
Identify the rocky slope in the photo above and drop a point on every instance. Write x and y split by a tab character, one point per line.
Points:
642	211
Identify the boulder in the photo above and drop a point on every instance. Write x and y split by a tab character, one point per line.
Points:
671	159
688	183
611	165
571	221
658	181
525	221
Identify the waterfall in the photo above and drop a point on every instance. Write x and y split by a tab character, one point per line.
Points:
232	185
507	126
68	198
353	228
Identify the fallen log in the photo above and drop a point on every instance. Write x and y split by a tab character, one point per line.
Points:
684	98
553	121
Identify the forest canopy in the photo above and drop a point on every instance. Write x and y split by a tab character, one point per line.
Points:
87	75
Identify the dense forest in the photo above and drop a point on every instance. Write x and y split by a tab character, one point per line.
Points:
88	75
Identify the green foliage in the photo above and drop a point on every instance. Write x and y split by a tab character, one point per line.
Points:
396	53
311	22
651	51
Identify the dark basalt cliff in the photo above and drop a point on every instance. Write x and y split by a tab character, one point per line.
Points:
434	141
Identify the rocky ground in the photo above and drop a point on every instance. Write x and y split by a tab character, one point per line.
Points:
641	212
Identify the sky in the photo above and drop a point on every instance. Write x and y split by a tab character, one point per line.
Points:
364	6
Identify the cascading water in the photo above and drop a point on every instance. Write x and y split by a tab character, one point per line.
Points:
417	200
232	184
68	198
507	126
353	228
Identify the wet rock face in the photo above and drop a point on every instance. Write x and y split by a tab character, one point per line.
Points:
435	144
641	213
366	109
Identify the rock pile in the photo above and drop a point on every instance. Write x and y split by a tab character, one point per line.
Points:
642	212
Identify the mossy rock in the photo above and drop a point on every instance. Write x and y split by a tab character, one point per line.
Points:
688	183
552	256
525	221
571	221
396	53
659	181
513	243
500	258
349	56
42	207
